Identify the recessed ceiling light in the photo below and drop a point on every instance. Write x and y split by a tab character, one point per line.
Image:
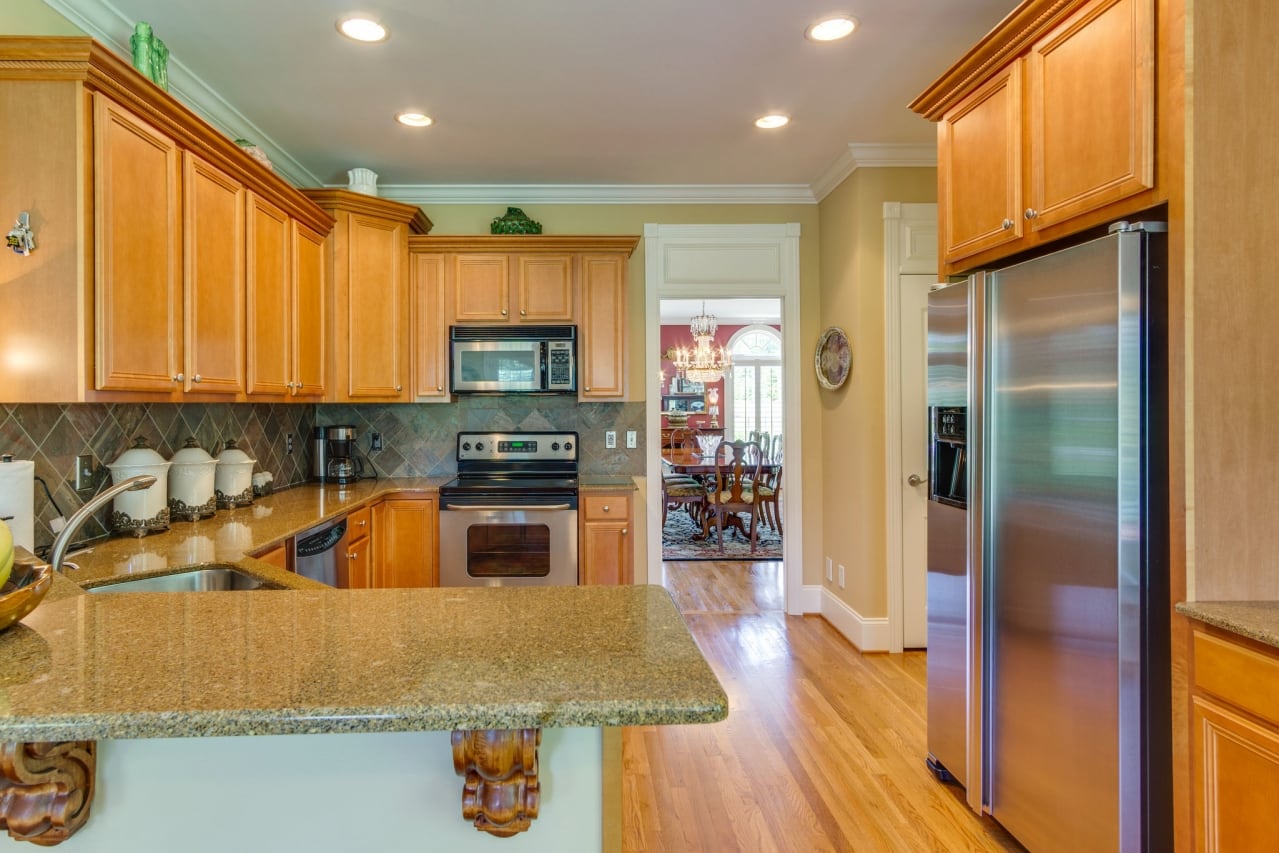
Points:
362	29
413	119
769	122
832	29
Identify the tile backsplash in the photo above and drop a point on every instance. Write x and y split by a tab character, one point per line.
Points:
418	440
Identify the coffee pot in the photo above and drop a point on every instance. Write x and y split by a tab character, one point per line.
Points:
343	466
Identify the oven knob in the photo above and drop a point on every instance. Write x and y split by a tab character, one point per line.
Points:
479	445
555	445
568	445
466	445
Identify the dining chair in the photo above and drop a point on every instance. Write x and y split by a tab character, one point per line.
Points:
767	489
737	467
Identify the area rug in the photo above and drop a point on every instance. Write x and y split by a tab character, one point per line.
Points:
678	542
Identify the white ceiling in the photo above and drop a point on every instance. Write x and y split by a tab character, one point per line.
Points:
558	92
729	312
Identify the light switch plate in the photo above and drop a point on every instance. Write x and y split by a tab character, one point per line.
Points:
610	439
841	575
830	569
631	438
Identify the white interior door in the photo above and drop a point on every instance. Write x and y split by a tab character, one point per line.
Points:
914	458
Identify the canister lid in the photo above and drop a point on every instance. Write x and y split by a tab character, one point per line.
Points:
191	454
139	455
232	455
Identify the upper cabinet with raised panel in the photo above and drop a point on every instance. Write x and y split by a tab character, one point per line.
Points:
535	279
137	289
368	259
1047	128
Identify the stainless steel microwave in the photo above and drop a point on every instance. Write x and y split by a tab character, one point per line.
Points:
513	359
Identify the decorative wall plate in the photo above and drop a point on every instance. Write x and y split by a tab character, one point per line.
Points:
834	358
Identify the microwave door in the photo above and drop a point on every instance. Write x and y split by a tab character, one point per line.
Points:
499	366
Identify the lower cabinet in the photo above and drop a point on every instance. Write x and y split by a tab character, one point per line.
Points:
359	550
1234	743
605	545
406	553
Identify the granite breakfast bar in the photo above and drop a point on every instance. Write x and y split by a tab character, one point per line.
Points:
321	719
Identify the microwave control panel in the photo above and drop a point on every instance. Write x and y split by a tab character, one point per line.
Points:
559	365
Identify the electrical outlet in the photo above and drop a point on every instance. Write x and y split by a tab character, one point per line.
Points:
610	439
375	441
830	569
288	443
85	479
841	575
632	438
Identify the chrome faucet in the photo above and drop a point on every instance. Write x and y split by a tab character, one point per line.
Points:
63	540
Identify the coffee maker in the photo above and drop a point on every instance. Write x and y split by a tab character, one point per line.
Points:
333	458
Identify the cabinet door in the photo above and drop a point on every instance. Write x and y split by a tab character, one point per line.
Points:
376	300
213	278
544	288
309	321
407	552
359	564
137	265
270	298
481	288
602	326
1236	779
1092	117
430	328
605	556
979	167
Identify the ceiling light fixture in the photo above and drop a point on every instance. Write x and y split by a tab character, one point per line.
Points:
362	29
703	363
412	119
771	121
831	29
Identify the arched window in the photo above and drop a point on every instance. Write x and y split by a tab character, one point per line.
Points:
754	386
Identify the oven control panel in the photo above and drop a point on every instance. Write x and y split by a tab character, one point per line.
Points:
516	446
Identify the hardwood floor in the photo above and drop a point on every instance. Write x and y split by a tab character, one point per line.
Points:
823	748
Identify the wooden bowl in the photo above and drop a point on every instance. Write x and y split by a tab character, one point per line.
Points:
16	601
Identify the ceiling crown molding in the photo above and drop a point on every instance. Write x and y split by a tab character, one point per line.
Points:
598	193
107	24
867	155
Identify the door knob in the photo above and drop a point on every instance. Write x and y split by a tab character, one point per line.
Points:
914	479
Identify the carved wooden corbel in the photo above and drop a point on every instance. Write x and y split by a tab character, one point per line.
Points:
501	792
46	789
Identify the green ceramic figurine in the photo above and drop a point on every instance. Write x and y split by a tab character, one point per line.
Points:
514	222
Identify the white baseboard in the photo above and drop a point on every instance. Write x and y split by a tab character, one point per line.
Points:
868	635
809	600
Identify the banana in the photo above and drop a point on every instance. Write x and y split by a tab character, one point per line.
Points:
6	552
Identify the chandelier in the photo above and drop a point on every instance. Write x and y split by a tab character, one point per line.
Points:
703	363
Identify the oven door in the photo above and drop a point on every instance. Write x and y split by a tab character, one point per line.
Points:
492	366
485	542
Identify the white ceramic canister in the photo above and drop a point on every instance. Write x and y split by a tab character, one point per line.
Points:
233	480
142	511
191	472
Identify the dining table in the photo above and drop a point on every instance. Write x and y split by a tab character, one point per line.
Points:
691	461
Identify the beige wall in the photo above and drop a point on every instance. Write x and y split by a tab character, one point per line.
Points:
852	465
34	18
630	219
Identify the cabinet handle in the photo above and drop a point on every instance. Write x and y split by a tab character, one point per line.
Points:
363	522
623	531
195	378
523	313
503	312
1006	224
179	377
398	388
439	387
351	555
588	387
1031	213
606	507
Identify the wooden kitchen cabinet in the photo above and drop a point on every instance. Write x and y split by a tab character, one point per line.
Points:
494	288
213	279
602	325
308	324
407	543
368	262
1234	742
430	329
1058	138
606	546
359	550
137	253
143	232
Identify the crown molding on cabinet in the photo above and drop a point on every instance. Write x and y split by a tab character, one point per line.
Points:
599	193
867	155
107	24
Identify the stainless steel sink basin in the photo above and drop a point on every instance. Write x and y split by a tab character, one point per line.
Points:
192	580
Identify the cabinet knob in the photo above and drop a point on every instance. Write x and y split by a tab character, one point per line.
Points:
623	531
351	555
523	313
1031	213
195	378
1006	224
588	387
503	312
606	507
179	377
363	522
439	387
399	388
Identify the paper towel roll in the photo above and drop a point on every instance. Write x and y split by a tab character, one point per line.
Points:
17	499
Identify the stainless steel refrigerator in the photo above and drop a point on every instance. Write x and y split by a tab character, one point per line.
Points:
1066	551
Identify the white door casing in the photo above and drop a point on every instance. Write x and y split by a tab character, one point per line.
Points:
910	249
721	262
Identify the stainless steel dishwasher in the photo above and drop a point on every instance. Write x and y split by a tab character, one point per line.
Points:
320	553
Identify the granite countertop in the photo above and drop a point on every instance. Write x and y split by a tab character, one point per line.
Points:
605	483
1256	620
231	536
207	664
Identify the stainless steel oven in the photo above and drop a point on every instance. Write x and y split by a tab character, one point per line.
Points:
510	517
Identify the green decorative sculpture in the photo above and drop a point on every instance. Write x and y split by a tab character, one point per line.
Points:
150	55
514	222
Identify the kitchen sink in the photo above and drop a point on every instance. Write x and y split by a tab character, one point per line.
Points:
207	579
